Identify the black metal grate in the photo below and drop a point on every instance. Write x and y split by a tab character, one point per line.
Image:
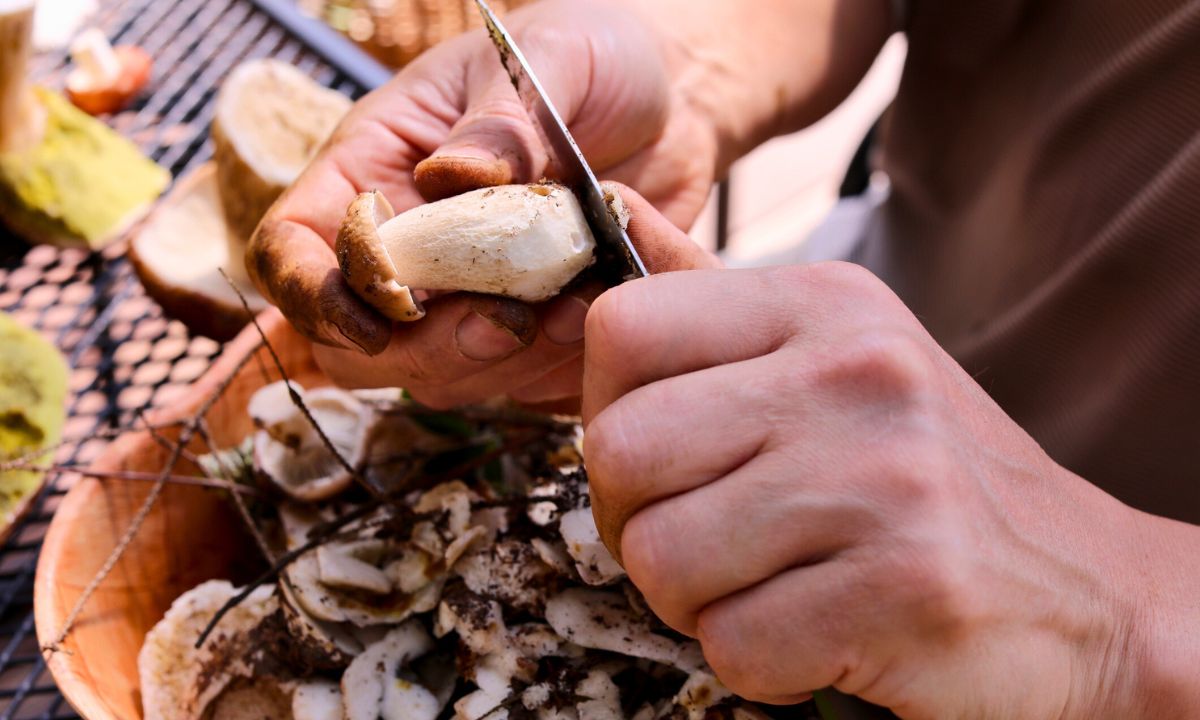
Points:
125	356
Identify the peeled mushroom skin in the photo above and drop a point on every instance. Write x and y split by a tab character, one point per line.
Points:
520	241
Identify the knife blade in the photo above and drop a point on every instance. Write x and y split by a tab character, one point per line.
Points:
618	259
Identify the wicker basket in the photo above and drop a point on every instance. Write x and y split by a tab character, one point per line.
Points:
396	31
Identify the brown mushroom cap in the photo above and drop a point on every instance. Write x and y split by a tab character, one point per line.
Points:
365	262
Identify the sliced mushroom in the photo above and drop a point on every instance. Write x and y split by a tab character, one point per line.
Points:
494	684
180	681
510	571
290	451
347	566
595	563
324	645
374	686
519	241
179	254
603	620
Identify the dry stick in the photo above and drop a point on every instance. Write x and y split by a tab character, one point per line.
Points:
277	567
20	462
299	401
240	502
214	483
143	512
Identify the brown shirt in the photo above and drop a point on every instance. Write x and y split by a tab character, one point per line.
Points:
1044	224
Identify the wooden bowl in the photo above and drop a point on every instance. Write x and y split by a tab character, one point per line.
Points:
191	535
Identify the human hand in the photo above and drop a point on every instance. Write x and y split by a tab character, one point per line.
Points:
451	122
793	472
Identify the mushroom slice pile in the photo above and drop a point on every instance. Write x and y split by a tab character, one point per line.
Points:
378	685
179	681
519	241
289	450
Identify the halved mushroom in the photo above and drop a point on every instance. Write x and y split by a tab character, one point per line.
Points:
105	79
519	241
290	451
179	253
180	681
270	119
376	685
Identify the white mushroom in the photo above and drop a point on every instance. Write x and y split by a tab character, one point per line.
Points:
373	688
593	561
317	700
291	452
520	241
603	620
179	681
349	566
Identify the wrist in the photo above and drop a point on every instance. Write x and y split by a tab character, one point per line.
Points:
1165	650
756	74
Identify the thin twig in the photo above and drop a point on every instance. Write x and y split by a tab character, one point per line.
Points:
19	462
238	501
214	483
299	401
143	512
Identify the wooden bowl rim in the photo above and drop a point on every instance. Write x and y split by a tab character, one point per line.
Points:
49	615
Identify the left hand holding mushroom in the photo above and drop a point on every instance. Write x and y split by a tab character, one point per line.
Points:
796	474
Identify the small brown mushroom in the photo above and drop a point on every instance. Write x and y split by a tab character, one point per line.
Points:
519	241
105	79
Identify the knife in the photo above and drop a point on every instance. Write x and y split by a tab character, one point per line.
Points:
618	259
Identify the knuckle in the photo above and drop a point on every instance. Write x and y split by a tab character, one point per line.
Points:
610	456
720	639
934	586
613	322
646	547
886	363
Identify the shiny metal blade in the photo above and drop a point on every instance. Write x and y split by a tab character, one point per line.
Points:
618	259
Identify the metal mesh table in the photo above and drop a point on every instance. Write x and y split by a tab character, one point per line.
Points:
124	355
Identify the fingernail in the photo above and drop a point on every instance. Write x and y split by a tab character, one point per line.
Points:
563	322
481	338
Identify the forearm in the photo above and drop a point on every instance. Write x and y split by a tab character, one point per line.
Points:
758	70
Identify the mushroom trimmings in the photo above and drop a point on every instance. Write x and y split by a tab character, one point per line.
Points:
473	587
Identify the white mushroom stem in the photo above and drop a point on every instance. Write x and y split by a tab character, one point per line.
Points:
21	115
519	241
95	58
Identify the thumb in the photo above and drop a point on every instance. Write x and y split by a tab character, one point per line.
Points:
493	143
662	246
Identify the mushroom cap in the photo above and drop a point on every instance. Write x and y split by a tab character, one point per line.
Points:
289	451
178	680
179	252
365	263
